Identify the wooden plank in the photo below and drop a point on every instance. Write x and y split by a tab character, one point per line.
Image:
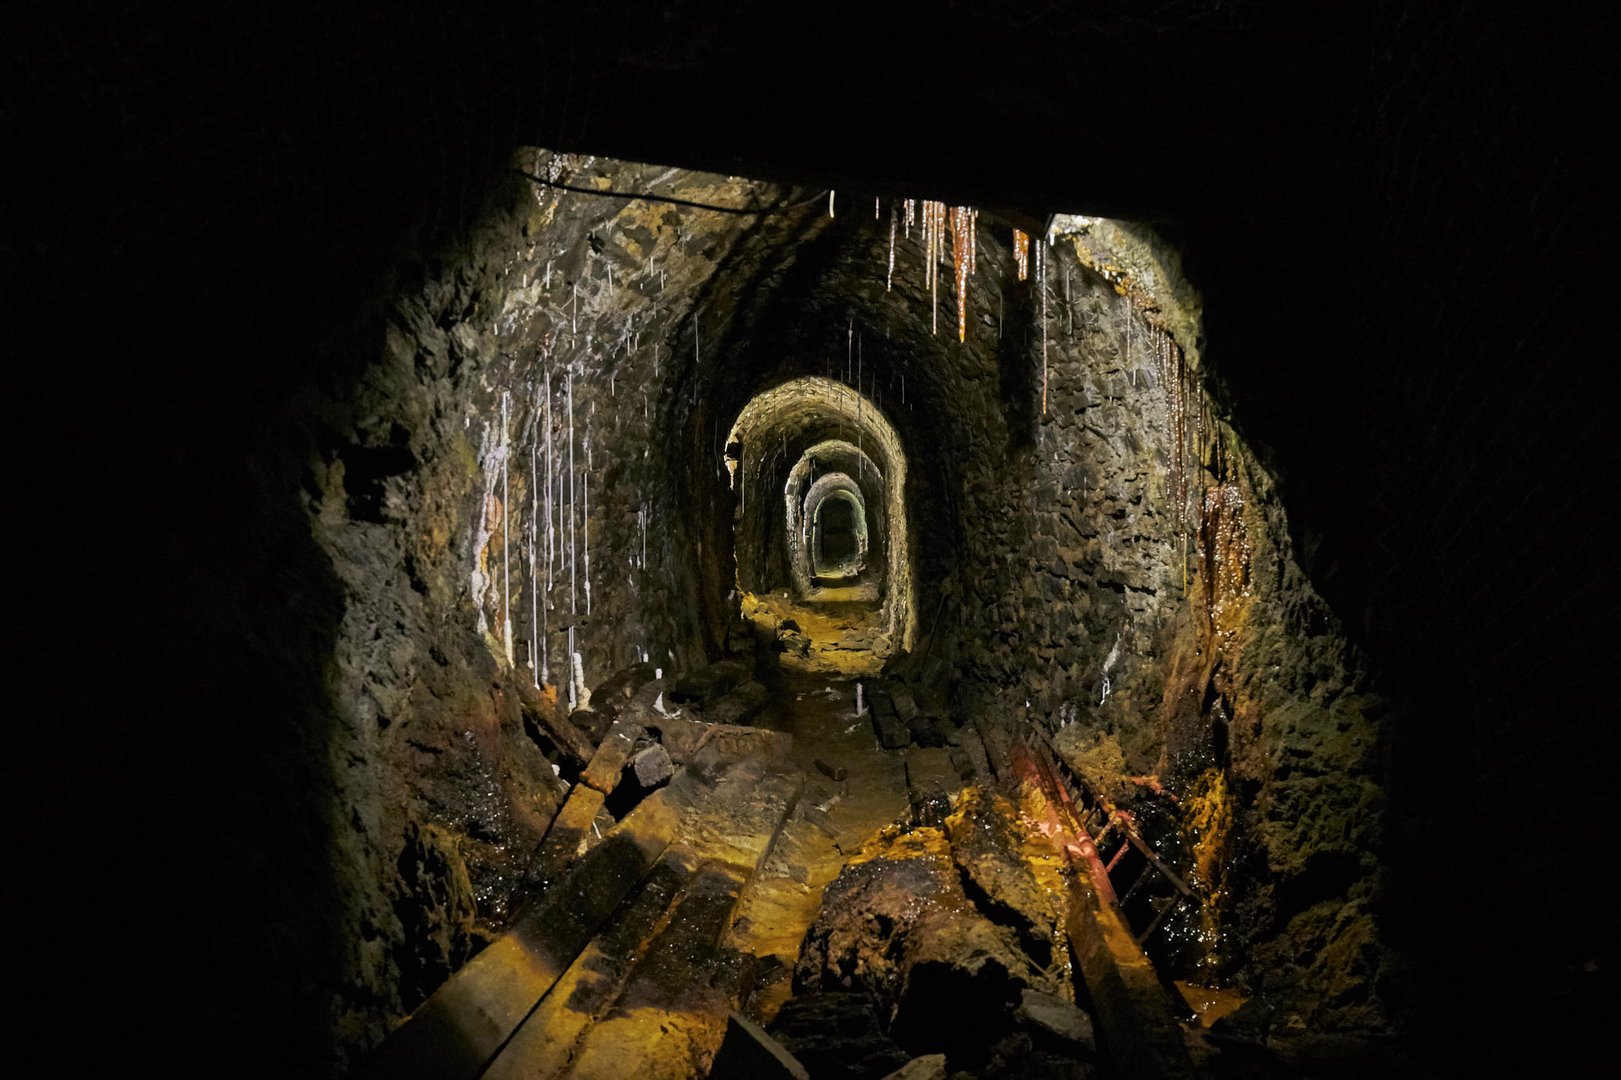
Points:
608	763
541	708
568	837
1141	1036
453	1034
545	1044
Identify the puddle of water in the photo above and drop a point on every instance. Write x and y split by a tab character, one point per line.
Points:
1209	1003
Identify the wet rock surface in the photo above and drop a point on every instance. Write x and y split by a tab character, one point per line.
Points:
838	1035
989	845
946	967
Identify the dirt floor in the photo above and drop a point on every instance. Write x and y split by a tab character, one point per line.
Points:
831	631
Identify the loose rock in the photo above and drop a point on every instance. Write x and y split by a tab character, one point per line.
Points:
652	766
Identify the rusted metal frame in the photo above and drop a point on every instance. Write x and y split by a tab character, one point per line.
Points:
1142	876
1159	864
1113	815
1049	764
1170	904
1080	851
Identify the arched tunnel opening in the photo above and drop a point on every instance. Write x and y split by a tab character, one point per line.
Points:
839	535
824	554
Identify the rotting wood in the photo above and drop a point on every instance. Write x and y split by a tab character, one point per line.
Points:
608	763
540	708
454	1034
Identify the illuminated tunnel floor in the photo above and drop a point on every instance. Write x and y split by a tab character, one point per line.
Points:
834	631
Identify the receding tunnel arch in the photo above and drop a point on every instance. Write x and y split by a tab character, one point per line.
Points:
836	514
799	442
835	465
839	533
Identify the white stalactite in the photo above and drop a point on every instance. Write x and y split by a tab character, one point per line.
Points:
506	535
573	520
581	694
585	485
535	633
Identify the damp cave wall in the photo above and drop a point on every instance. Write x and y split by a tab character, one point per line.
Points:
1064	574
423	492
1044	544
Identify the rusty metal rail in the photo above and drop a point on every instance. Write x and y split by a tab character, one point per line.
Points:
1096	818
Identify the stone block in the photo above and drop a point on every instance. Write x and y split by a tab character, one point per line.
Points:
1057	1021
892	734
905	703
652	766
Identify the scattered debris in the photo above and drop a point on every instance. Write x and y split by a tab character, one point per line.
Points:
836	773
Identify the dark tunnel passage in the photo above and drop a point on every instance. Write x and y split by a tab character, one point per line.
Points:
839	533
1057	538
806	445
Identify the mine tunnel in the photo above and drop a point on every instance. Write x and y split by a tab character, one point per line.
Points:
881	614
839	536
1013	540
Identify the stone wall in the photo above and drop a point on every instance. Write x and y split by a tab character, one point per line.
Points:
469	545
1131	575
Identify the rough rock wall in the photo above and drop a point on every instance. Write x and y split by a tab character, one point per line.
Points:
430	491
1132	574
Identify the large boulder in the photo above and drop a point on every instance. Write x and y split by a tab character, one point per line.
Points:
897	925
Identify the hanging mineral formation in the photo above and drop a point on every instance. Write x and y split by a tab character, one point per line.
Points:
1041	286
573	535
585	482
534	582
506	535
889	276
934	232
1021	253
963	221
